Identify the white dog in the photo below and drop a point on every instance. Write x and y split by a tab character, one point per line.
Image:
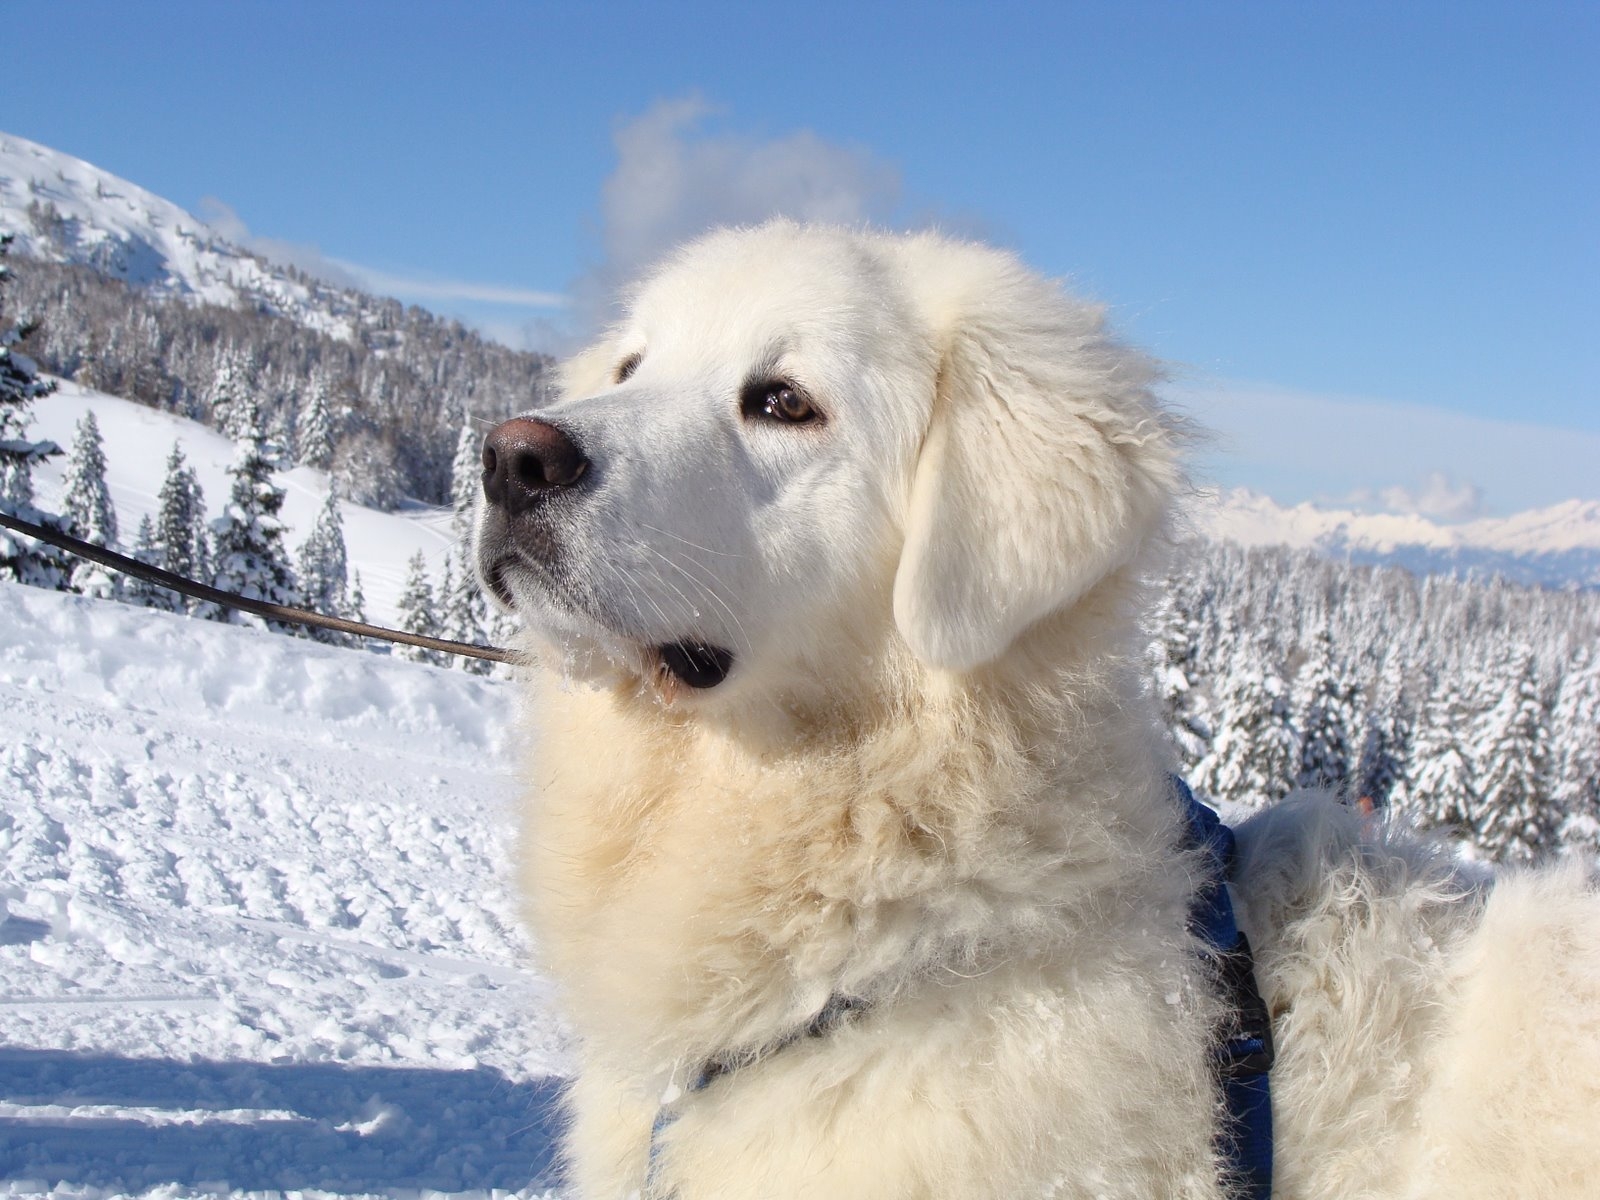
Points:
851	842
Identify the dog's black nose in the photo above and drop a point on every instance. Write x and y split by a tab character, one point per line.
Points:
524	459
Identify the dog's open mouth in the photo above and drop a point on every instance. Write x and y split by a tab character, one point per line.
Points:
695	663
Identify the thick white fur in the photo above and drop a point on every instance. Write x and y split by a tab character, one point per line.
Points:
933	780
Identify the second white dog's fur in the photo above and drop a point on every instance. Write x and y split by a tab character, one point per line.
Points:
933	781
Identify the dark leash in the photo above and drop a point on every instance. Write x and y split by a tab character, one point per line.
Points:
260	608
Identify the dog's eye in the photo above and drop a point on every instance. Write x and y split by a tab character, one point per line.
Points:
779	400
628	366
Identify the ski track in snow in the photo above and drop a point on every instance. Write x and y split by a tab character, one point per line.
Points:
256	928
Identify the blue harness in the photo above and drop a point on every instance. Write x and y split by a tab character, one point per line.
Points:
1244	1050
1244	1045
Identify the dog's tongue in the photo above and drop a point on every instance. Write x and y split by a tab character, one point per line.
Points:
696	664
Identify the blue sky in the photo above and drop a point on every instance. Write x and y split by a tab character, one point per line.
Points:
1320	214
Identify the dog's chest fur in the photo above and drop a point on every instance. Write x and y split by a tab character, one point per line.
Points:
694	898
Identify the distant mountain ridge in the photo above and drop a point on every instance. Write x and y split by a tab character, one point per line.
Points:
1551	547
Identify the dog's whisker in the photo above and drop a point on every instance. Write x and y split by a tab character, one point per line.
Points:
687	542
636	590
687	610
709	590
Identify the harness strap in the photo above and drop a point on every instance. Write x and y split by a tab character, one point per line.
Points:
834	1013
1244	1052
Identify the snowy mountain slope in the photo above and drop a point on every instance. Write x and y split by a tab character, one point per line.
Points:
1553	546
137	442
66	210
255	924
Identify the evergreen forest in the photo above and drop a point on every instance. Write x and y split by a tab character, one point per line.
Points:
376	395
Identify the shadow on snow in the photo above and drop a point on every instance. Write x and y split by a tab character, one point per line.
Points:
272	1127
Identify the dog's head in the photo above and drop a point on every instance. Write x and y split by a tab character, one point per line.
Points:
804	442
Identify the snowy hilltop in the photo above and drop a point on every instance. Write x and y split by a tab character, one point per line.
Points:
66	210
1551	547
135	297
256	926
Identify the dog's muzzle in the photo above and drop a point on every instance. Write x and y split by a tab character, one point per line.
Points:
527	465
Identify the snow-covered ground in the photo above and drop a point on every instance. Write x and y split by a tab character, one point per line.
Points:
138	441
256	926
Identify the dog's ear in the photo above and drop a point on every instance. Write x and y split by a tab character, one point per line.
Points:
1046	465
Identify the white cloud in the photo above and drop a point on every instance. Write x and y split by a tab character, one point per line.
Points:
1440	496
677	177
1297	446
679	172
423	289
221	217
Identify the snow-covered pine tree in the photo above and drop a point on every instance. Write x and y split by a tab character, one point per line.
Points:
250	557
204	561
1514	820
1187	715
466	479
418	613
501	628
1575	752
1324	717
357	606
179	530
356	610
465	611
447	584
233	412
1377	770
1441	789
324	568
86	499
1380	775
281	436
1252	757
367	469
86	502
314	433
141	591
21	557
